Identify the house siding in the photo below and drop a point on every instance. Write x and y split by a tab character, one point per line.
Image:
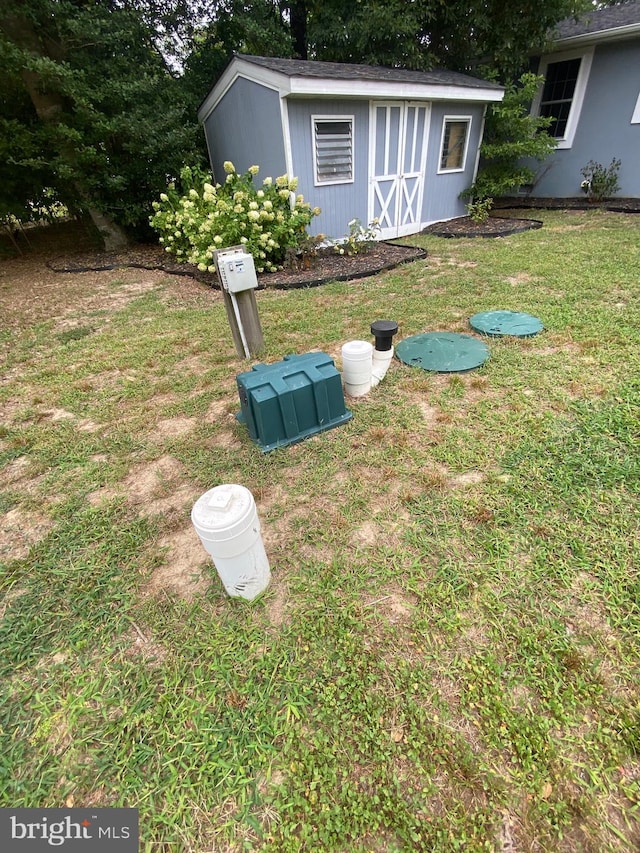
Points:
604	128
339	203
441	191
246	128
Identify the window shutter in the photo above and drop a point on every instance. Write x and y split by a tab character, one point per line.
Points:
333	150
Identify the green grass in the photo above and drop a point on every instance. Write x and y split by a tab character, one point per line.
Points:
447	656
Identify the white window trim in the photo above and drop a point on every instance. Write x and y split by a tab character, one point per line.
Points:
445	119
635	118
586	55
349	118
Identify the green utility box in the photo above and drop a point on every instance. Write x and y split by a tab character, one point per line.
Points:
290	400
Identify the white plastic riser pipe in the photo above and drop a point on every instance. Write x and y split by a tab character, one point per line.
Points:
380	365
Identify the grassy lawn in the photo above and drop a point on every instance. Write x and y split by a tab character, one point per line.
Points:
448	655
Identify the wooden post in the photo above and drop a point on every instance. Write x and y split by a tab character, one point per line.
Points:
242	314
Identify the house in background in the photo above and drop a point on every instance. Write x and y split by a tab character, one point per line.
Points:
592	89
364	142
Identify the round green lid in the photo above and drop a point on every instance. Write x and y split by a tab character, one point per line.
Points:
499	323
442	352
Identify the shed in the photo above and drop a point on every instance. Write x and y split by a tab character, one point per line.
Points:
365	142
592	89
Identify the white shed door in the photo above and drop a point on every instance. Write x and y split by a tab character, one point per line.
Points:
397	157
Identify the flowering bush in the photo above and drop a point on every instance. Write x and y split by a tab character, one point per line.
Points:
267	220
360	239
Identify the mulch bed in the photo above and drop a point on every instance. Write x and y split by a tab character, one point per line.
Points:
327	266
494	226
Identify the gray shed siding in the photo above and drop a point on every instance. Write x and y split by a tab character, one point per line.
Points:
604	129
342	202
441	192
246	128
339	203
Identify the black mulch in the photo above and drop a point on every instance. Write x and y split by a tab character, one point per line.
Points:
327	266
494	226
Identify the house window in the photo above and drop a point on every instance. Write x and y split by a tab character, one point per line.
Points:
557	95
635	118
333	149
562	95
453	151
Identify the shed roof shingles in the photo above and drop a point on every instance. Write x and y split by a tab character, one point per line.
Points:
373	73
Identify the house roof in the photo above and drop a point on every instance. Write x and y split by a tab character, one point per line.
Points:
302	78
608	24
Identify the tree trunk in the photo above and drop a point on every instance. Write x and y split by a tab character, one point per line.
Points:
50	108
298	27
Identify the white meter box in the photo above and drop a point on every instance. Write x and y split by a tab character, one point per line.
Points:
237	271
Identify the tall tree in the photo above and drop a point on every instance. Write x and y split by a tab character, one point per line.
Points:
93	96
456	34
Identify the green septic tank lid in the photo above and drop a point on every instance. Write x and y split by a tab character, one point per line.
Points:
499	323
442	352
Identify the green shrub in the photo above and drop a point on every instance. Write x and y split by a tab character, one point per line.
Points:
479	210
511	133
267	220
600	182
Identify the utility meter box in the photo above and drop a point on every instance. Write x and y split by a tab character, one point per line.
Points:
288	401
237	270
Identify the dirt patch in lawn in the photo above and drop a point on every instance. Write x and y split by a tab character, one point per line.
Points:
33	289
186	569
20	530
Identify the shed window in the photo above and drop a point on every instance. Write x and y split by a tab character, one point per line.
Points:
557	95
333	149
455	135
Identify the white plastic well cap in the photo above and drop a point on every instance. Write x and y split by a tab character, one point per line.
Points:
224	512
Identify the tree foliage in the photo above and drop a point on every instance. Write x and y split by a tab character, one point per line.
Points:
511	137
257	28
91	109
465	35
456	34
421	34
